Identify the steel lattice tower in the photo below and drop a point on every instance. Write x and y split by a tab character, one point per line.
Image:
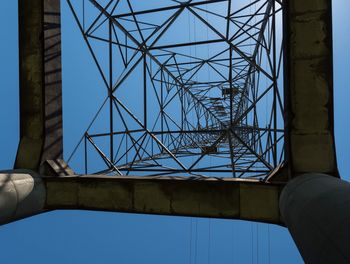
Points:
192	87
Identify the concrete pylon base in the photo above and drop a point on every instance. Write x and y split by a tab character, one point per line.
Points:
316	209
22	194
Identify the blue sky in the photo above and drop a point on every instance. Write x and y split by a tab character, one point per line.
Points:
91	237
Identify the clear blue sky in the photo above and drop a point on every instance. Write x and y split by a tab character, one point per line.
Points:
91	237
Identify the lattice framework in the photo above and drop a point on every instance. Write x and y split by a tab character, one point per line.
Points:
192	87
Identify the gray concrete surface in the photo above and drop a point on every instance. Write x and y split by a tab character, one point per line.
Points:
316	209
25	193
22	194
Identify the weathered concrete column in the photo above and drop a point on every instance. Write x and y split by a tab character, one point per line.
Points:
314	206
316	209
308	66
40	82
22	194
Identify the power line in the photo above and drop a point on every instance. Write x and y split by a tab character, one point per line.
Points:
196	242
268	244
209	239
190	259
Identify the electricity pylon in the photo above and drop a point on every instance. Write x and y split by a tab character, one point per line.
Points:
198	110
208	95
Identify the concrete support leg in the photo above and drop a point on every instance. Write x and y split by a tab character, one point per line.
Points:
41	134
316	210
22	194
